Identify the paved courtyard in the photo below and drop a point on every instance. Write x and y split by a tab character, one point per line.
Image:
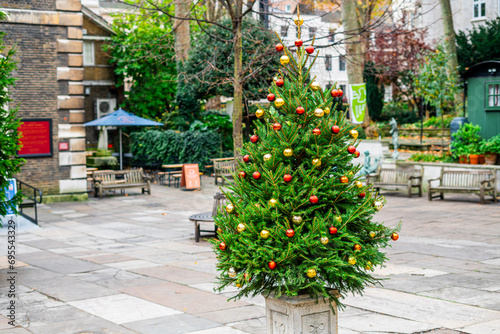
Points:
129	264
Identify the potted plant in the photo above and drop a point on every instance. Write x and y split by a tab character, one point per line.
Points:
491	148
298	226
466	142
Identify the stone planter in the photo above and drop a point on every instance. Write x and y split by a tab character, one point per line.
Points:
490	158
300	314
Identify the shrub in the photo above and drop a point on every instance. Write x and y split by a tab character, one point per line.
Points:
491	145
400	111
466	140
436	121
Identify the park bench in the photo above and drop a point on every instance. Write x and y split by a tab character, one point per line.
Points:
121	179
208	217
223	168
397	178
481	182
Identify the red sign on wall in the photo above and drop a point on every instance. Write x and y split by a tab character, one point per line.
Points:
36	138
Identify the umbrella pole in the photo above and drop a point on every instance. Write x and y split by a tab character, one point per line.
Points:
121	157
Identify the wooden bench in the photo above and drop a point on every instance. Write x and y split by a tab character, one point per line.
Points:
481	182
397	178
208	217
223	168
121	179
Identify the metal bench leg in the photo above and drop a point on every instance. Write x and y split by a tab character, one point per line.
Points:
196	231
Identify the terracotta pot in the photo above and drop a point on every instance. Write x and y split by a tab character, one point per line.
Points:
464	159
474	159
481	159
490	158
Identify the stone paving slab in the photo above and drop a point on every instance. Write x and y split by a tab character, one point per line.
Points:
174	324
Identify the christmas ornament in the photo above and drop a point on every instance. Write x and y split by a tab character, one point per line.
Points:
288	152
231	272
324	240
326	110
362	195
267	157
247	277
242	174
353	134
257	205
316	163
350	174
238	285
259	113
300	110
334	93
290	233
277	126
271	265
338	219
344	179
287	178
271	97
310	49
368	266
280	82
284	60
378	205
222	246
372	234
359	184
332	230
298	20
340	92
264	234
357	154
357	247
240	228
254	138
298	43
319	112
230	208
279	102
311	272
279	47
316	131
315	86
351	149
395	236
335	129
297	219
313	199
246	158
352	260
219	230
256	175
273	202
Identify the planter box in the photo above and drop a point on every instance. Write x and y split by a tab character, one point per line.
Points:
300	314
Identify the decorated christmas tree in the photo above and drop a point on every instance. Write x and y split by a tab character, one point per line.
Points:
298	219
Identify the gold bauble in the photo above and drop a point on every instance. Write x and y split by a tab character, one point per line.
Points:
264	234
288	152
267	157
297	219
326	110
378	205
311	272
369	265
372	234
259	113
298	20
275	79
257	205
273	202
353	134
279	102
338	219
284	60
350	174
240	228
319	112
315	86
316	162
238	285
324	240
359	184
231	272
229	208
352	260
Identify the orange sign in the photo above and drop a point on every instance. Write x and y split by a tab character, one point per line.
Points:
190	176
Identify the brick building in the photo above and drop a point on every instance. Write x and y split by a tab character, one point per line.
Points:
61	72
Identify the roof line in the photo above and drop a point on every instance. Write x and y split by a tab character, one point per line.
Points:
98	20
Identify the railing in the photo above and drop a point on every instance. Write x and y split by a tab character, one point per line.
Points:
30	200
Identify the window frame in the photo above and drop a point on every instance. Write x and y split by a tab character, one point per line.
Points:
487	85
91	54
342	62
328	62
284	31
478	4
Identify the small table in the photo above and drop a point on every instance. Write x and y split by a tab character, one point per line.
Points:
170	170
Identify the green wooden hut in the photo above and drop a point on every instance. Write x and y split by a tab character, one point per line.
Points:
482	88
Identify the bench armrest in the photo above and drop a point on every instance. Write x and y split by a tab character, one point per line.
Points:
488	181
438	179
146	177
371	177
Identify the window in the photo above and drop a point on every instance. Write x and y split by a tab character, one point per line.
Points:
331	35
479	9
288	8
284	31
328	62
329	85
341	63
88	53
493	96
312	32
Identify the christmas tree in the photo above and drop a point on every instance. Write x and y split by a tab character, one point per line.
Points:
298	220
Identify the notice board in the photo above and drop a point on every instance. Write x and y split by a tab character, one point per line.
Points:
36	138
190	176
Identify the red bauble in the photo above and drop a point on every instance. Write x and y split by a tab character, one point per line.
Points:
300	110
271	265
335	129
254	138
357	154
340	92
256	175
280	82
310	49
271	97
242	174
332	230
246	157
316	131
287	178
362	195
279	47
313	199
335	93
351	149
222	246
298	43
277	126
290	233
357	247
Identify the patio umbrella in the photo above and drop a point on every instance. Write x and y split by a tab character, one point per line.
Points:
121	118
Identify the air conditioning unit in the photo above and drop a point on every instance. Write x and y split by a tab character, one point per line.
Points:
104	107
